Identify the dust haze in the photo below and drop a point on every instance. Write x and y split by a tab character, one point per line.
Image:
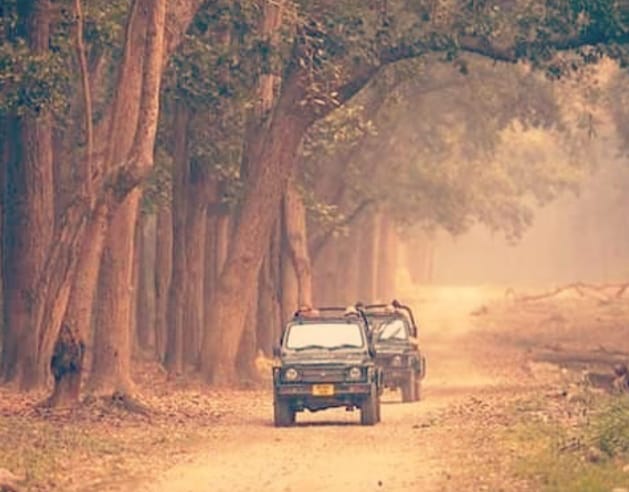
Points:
580	237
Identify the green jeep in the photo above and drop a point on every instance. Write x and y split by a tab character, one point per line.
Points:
326	359
394	334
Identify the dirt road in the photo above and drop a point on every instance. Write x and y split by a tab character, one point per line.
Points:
418	446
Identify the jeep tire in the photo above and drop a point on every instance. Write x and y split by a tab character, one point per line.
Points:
283	414
370	408
408	388
418	388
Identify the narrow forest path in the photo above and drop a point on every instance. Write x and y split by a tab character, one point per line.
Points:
428	445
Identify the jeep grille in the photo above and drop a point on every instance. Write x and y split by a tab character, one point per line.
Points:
322	374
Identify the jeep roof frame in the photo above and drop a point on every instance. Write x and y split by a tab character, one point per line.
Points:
300	314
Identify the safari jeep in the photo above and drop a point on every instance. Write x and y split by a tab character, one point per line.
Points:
394	334
326	359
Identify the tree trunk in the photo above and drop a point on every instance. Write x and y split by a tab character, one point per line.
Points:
163	272
174	357
264	188
246	368
368	258
68	359
199	191
297	242
210	273
387	262
77	313
111	367
217	248
348	268
135	279
289	292
147	308
269	320
326	278
28	222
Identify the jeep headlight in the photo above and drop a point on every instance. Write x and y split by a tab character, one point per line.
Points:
396	361
291	374
355	373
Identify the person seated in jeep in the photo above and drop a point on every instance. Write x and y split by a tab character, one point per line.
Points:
392	329
306	311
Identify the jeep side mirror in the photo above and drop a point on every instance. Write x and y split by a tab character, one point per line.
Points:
276	351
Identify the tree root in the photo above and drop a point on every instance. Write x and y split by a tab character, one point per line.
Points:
9	481
120	400
129	403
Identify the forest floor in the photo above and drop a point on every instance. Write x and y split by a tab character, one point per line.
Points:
504	408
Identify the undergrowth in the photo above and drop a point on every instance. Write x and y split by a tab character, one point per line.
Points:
589	457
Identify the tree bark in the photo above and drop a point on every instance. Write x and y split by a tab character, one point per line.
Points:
289	293
163	273
174	357
297	242
135	279
246	368
269	320
387	261
28	221
199	190
68	358
325	274
348	267
265	186
217	249
368	258
111	366
146	307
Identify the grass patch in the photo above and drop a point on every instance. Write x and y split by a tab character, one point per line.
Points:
586	458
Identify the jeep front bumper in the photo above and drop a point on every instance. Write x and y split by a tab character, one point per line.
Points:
308	390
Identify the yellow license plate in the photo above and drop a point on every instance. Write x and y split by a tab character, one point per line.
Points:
323	390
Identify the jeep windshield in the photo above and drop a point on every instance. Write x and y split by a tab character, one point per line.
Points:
391	330
324	336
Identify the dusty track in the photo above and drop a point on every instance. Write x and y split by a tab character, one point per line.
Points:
418	446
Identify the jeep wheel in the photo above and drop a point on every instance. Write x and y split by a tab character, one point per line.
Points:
370	408
418	389
408	389
283	414
378	407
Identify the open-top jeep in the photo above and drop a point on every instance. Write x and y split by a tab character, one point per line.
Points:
326	359
394	334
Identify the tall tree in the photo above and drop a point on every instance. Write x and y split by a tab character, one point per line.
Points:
28	215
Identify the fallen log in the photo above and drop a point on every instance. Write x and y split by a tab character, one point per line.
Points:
583	289
580	358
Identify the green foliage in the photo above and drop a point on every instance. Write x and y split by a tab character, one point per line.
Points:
618	101
610	430
556	460
31	83
445	149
